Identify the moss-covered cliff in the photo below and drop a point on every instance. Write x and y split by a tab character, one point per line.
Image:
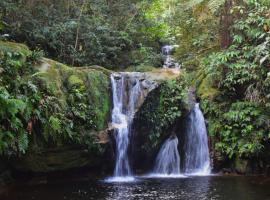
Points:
64	111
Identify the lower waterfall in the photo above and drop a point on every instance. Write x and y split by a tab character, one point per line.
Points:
196	152
168	159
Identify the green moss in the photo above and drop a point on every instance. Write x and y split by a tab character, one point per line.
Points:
14	47
52	82
76	87
75	82
205	89
97	68
98	89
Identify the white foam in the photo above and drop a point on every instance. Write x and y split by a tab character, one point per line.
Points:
120	179
155	175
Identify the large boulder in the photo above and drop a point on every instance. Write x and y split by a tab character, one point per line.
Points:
71	109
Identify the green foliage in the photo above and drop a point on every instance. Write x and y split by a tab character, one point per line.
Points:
213	5
238	114
196	30
242	128
85	32
242	69
162	109
49	103
13	112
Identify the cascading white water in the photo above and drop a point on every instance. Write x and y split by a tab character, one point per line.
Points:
168	159
169	62
196	152
129	89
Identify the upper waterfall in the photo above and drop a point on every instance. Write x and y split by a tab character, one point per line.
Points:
169	62
129	91
196	160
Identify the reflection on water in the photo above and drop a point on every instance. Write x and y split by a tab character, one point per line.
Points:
160	189
188	188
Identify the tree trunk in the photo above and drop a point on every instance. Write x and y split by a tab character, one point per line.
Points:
226	20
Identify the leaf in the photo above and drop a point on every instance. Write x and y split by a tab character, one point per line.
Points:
15	105
55	124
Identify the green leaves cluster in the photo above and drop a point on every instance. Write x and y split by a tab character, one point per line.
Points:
243	68
240	129
239	114
81	33
14	112
196	32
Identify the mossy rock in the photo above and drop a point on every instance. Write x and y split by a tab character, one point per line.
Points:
93	81
79	99
98	88
60	80
55	159
242	166
13	47
205	89
75	82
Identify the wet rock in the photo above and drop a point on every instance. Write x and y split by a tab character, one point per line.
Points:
242	166
56	159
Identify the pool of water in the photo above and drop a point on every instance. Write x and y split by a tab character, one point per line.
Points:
183	188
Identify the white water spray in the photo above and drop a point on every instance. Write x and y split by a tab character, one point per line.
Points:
168	160
196	160
169	62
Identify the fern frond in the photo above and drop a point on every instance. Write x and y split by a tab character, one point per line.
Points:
214	5
22	142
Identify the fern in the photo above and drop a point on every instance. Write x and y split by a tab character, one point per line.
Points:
22	142
213	5
55	124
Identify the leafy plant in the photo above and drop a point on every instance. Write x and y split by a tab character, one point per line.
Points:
238	115
160	114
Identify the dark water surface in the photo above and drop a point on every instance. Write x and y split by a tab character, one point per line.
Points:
190	188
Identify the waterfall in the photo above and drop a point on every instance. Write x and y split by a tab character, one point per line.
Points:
196	159
129	91
169	62
168	159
